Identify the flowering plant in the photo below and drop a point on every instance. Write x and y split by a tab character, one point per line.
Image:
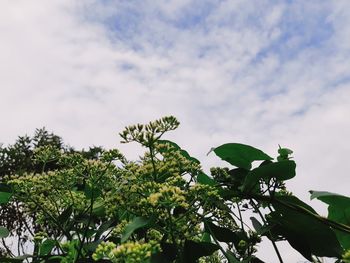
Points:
101	207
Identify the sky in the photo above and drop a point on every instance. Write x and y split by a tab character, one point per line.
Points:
259	72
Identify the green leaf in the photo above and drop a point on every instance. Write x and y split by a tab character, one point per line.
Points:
5	197
4	232
303	229
280	228
65	215
284	152
202	178
46	247
167	255
237	176
255	260
18	259
98	208
260	229
293	201
137	223
222	234
338	211
231	257
179	210
195	250
5	194
240	155
282	171
91	246
206	237
104	227
92	192
256	224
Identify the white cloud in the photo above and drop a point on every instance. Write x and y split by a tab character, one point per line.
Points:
254	72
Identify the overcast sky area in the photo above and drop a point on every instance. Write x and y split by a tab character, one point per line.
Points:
256	72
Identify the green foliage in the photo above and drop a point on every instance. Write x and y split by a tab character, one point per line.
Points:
240	155
339	211
5	194
280	171
4	232
137	223
97	206
304	231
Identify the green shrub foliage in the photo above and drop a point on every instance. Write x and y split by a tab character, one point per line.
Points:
64	205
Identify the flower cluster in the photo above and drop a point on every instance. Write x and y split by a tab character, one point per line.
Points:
346	256
45	154
148	134
130	252
48	194
118	229
168	196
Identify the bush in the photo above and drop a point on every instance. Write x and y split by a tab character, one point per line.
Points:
97	206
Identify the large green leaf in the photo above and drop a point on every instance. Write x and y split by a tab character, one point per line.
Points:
338	211
5	194
231	257
195	250
293	201
46	247
167	255
4	232
5	197
303	229
222	234
137	223
206	237
282	171
237	176
279	228
240	155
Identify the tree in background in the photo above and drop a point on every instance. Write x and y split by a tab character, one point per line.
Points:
20	159
97	206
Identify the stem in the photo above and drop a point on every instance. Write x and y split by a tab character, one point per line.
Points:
151	150
237	217
316	260
87	226
171	227
59	225
24	221
35	251
7	248
240	216
218	244
19	245
43	169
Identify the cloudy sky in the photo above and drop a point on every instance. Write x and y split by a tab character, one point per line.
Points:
257	72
